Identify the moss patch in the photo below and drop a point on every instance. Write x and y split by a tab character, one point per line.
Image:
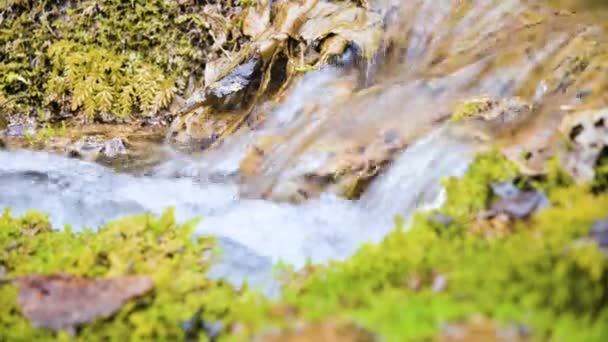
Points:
546	275
157	247
91	56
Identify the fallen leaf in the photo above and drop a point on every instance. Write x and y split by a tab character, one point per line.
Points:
63	302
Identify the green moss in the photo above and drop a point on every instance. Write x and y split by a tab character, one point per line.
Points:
96	80
545	275
159	248
600	181
112	45
471	193
471	108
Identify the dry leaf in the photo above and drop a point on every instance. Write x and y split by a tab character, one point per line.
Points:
63	302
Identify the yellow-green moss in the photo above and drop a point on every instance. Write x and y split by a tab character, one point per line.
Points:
159	248
96	80
471	108
546	275
113	44
471	193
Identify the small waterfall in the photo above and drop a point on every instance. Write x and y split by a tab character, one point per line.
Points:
413	181
87	195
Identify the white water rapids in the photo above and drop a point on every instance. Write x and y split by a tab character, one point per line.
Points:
254	234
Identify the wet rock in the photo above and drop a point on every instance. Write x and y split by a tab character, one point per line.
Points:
515	203
228	93
440	283
196	326
345	170
493	113
341	53
87	148
213	329
220	108
440	219
2	144
298	37
588	131
114	147
20	130
93	147
599	233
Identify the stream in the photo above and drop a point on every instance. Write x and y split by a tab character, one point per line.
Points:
256	233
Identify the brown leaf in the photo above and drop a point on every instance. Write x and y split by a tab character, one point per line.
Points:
63	302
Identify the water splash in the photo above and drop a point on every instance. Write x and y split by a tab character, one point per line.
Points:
87	195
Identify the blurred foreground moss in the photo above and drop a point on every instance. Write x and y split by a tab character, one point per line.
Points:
546	276
144	245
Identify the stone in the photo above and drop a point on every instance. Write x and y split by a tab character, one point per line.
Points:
114	147
599	233
514	202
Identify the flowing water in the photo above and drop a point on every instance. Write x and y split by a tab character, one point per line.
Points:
453	50
254	234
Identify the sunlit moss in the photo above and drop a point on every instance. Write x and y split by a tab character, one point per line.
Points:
159	248
546	275
471	193
96	80
471	108
166	41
